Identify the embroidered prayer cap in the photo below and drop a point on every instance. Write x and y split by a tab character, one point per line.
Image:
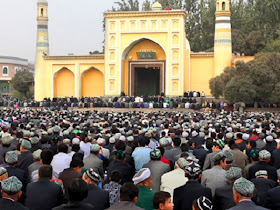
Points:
26	144
221	143
155	154
93	175
218	156
264	155
261	173
163	142
204	203
7	139
182	162
233	173
244	187
11	186
37	154
94	148
2	171
255	154
120	155
229	155
35	140
11	157
193	169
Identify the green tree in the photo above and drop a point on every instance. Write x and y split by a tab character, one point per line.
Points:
127	5
22	82
216	87
240	90
238	41
146	5
255	81
274	45
254	42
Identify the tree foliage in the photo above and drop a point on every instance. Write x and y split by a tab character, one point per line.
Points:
127	5
255	81
22	82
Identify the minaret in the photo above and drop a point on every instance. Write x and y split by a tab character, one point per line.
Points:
223	43
42	47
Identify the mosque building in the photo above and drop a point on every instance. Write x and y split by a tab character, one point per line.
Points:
146	53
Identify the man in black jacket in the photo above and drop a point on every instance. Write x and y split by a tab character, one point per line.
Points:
43	194
224	195
11	192
242	194
192	190
264	157
262	184
78	190
97	197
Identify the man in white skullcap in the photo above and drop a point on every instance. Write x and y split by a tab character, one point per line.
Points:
143	181
106	152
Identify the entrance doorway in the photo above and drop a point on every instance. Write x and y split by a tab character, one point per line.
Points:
146	78
147	81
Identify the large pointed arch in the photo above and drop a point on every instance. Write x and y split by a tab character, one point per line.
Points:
131	60
64	83
92	83
130	46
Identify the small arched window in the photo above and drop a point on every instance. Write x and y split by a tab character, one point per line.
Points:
223	6
42	12
5	70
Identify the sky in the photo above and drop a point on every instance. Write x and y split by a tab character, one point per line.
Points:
75	26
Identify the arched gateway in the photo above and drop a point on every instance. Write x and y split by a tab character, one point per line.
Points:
143	68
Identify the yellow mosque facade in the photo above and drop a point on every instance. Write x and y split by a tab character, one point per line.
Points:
146	53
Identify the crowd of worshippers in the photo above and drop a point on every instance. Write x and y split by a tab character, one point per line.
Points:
135	160
116	102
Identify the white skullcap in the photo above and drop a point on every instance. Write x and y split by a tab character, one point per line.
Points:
101	141
194	133
122	138
245	136
142	175
185	134
112	140
75	141
229	129
269	138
